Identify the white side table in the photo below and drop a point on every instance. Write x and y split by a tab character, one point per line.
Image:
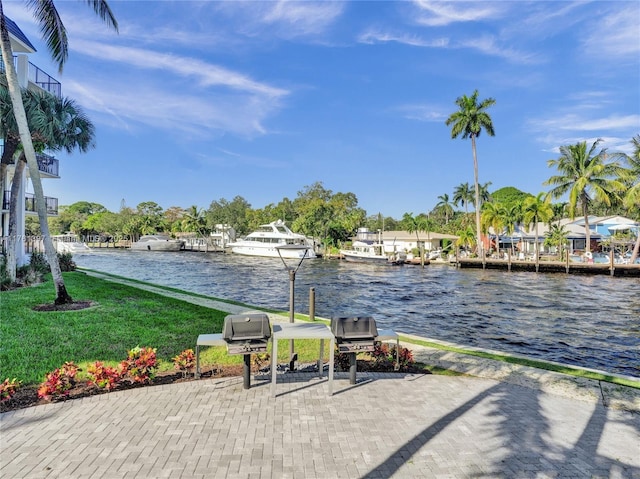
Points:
302	331
207	340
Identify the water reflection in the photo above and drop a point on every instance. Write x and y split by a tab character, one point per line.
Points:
590	321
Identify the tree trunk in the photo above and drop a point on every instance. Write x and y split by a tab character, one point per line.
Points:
477	199
587	232
62	297
13	219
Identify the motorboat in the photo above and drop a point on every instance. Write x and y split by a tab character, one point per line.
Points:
368	252
274	240
69	243
157	242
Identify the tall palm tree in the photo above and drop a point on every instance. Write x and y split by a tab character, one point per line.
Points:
445	207
468	122
55	35
535	210
464	195
584	175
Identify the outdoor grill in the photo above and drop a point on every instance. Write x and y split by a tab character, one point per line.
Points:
246	334
354	334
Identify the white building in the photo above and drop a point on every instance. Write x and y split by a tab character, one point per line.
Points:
29	76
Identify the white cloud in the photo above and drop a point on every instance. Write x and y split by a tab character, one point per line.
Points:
373	36
574	122
438	14
285	19
422	113
208	74
616	34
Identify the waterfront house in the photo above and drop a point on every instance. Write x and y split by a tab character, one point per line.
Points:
405	241
32	77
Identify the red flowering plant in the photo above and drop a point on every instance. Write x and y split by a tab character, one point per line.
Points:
185	362
59	382
104	377
8	389
140	365
384	356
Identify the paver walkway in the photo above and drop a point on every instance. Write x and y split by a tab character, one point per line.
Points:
386	425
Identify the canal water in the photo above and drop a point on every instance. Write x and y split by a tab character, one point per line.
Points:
589	321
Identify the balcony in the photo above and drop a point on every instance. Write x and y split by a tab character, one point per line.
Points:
38	77
30	203
48	164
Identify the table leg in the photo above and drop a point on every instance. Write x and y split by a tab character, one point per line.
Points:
332	347
274	365
397	367
320	362
197	375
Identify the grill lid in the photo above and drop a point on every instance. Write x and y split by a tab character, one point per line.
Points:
246	327
354	328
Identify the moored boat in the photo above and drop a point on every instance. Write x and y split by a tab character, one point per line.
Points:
157	242
367	252
274	240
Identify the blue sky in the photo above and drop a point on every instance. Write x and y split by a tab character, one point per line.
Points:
198	101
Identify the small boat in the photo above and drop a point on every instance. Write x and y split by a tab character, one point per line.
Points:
367	252
157	242
69	243
274	240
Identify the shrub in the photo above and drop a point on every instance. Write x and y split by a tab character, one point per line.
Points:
384	356
58	382
104	377
8	389
38	262
66	262
185	361
341	360
140	365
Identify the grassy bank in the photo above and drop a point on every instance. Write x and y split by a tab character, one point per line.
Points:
34	343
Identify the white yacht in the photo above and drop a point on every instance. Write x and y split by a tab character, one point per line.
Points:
157	242
368	252
268	239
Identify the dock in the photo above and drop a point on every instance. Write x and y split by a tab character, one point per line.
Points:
628	270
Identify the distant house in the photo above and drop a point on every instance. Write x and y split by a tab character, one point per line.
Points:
405	241
32	77
601	228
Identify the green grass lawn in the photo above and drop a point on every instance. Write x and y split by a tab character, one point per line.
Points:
35	343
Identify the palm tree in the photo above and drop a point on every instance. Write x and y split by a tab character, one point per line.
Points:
444	206
484	194
466	237
492	217
535	210
557	236
55	123
468	122
632	197
416	224
464	195
585	175
56	38
194	220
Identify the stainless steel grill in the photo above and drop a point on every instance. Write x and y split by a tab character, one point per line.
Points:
354	334
246	334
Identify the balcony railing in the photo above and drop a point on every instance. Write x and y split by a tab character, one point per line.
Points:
48	164
39	77
44	80
30	203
